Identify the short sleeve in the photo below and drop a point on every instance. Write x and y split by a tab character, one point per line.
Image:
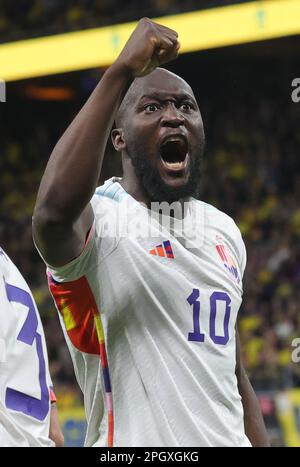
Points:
103	238
80	265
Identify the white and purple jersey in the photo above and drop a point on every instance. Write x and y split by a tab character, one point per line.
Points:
25	382
149	316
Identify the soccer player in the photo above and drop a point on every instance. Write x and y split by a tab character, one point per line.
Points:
28	413
149	318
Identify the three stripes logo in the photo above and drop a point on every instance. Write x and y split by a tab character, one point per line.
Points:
227	260
163	250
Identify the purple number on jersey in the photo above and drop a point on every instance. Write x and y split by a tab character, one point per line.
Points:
16	400
196	335
219	297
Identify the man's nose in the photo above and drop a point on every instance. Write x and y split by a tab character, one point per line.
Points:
172	116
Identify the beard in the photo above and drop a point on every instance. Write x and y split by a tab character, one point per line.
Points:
154	186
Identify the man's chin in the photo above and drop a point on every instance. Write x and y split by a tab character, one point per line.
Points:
174	179
160	187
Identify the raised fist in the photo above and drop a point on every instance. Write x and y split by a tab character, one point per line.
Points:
149	46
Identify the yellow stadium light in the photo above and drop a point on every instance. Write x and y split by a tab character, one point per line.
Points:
200	30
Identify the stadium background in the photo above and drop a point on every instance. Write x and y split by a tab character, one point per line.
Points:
251	171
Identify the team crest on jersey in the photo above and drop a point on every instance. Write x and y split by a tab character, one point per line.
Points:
227	260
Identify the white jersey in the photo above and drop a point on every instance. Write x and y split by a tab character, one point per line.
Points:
25	380
149	317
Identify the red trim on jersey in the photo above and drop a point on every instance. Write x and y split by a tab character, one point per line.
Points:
76	304
88	236
110	429
52	395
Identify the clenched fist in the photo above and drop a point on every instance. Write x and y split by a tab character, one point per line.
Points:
149	46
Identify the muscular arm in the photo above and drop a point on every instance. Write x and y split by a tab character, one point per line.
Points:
63	215
254	425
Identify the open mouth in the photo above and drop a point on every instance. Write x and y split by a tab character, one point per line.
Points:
174	152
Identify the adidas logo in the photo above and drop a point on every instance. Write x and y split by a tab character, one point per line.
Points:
164	250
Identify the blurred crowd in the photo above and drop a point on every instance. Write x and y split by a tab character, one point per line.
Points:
255	169
32	18
251	171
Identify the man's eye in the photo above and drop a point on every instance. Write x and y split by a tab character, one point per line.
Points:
186	106
151	108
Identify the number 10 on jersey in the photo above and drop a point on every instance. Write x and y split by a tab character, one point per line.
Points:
215	300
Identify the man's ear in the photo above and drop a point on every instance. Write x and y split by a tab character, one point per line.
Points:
117	137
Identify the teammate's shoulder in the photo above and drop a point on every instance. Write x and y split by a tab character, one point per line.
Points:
10	271
2	253
5	259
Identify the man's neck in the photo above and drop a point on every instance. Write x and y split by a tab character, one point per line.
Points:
177	209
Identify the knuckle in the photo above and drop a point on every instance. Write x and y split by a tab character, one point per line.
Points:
145	20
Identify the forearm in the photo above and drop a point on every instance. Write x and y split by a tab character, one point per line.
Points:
55	433
254	424
75	163
253	420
